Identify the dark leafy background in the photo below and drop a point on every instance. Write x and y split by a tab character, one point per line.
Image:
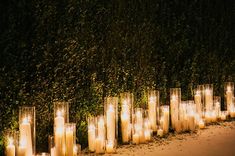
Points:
83	50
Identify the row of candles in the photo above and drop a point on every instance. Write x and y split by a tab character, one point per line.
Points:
137	124
23	142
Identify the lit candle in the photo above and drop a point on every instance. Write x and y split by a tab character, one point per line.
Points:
22	148
53	151
59	134
166	120
10	149
111	123
136	138
208	99
59	119
69	141
99	147
201	124
223	115
174	110
125	117
229	96
91	137
26	135
147	135
109	147
152	112
198	99
160	132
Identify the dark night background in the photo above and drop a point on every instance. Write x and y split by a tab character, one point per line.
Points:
83	50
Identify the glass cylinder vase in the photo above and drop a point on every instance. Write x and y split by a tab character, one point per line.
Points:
27	128
153	109
126	100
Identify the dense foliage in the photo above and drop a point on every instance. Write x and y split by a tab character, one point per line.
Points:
83	50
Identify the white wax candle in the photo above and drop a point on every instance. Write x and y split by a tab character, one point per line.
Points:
201	124
125	120
174	110
191	120
208	99
69	138
229	97
197	99
53	151
59	119
147	135
223	116
91	137
152	110
21	151
110	122
10	149
99	146
59	141
160	132
26	135
136	138
109	147
166	121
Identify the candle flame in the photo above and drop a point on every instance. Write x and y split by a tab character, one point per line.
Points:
26	119
59	113
229	89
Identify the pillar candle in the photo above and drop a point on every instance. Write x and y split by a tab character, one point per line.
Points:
136	138
110	123
198	99
59	141
53	151
59	119
69	138
125	118
166	121
91	137
174	114
152	113
201	124
110	147
22	148
160	132
26	135
208	99
99	145
147	135
10	149
191	123
229	97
